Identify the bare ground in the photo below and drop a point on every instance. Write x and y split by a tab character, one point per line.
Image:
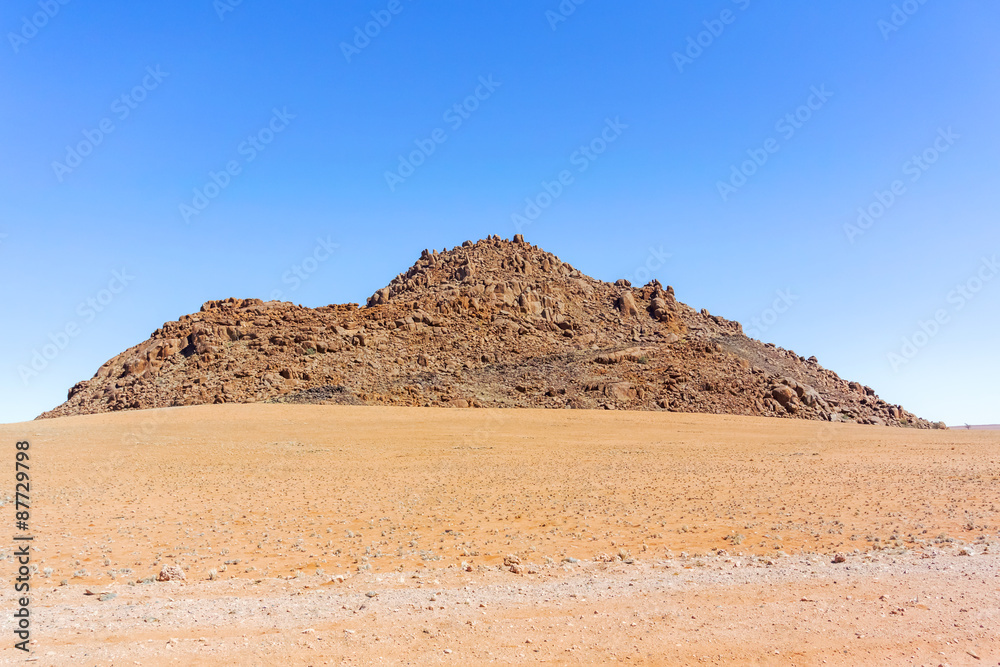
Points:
329	534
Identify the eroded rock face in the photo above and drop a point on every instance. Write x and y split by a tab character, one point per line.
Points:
494	323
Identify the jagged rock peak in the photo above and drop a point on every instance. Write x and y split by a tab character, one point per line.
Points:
496	323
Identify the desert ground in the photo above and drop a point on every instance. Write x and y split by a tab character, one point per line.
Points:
376	535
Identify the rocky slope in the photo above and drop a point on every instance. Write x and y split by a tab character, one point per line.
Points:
495	323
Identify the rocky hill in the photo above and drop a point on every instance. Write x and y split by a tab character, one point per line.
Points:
495	323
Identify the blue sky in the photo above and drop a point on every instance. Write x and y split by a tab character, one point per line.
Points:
204	150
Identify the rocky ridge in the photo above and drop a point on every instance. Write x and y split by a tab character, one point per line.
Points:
494	323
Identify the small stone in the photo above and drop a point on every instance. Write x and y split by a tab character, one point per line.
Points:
839	558
171	573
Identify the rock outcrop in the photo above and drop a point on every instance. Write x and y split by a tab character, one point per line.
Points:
494	323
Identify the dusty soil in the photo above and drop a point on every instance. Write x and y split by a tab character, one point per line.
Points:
329	534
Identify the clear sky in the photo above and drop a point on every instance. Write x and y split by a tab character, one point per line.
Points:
156	155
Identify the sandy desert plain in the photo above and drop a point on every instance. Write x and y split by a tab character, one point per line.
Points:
378	535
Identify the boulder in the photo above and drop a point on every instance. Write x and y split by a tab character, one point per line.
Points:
631	354
135	366
784	395
626	304
660	308
620	391
810	396
76	389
